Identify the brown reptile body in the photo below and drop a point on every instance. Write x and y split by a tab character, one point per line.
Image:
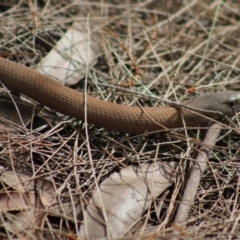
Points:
113	116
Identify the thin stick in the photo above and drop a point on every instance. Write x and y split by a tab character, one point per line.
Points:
196	173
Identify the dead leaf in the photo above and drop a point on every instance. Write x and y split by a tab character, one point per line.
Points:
123	199
31	213
76	52
15	201
24	182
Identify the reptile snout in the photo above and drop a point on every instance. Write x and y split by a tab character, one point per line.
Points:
234	102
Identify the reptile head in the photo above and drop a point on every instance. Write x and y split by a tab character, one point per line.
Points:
226	103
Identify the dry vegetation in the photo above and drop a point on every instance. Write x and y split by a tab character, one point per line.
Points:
177	46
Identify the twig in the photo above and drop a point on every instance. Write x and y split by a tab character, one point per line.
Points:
196	174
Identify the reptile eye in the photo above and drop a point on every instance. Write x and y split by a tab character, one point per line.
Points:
231	103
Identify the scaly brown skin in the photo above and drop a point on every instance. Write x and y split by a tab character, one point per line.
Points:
117	117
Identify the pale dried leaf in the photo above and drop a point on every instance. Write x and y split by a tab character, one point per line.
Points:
24	182
68	60
15	201
30	217
124	196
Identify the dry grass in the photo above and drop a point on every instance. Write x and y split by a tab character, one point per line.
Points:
194	44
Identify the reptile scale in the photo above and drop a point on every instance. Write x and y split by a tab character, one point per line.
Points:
113	116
